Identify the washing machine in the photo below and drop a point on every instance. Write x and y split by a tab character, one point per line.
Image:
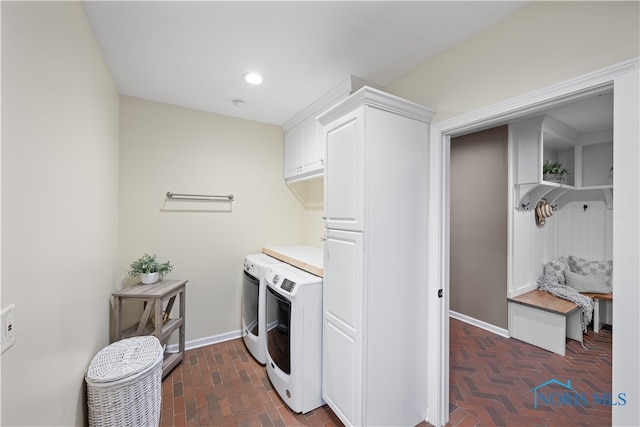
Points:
294	336
253	304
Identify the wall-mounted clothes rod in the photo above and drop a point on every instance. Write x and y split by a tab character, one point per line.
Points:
197	197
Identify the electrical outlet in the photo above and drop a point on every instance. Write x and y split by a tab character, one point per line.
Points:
8	332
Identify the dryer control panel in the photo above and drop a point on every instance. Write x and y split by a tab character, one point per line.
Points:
288	285
287	279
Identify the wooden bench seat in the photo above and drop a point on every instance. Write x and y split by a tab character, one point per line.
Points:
603	297
546	301
544	320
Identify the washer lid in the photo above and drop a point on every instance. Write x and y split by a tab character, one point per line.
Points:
124	358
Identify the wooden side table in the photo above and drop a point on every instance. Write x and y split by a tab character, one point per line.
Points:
154	296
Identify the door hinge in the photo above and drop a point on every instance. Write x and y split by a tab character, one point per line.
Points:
439	293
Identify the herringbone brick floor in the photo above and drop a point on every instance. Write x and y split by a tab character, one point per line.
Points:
222	385
491	380
490	384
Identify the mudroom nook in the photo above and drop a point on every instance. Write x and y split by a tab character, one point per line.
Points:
541	271
522	223
562	221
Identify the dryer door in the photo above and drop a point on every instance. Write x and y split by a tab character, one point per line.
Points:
250	293
279	330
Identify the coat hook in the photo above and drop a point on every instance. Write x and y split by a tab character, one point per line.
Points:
525	206
584	208
554	207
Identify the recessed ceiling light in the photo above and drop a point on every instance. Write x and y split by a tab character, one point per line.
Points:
253	78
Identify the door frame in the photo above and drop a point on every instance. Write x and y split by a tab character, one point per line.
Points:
623	77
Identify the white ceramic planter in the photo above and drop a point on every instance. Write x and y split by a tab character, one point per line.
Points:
554	177
149	278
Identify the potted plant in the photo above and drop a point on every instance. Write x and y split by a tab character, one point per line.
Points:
149	269
553	171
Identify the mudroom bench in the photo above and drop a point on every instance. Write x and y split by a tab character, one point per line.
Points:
602	309
544	320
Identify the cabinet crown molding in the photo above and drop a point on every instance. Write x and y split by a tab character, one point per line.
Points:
339	92
378	99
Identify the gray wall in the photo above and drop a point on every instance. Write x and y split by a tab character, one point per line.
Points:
479	226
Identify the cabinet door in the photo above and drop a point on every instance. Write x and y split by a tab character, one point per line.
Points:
292	142
303	153
311	147
344	172
342	362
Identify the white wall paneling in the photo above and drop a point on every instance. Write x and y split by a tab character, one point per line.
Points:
532	246
586	233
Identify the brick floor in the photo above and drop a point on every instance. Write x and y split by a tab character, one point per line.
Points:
491	379
222	385
490	384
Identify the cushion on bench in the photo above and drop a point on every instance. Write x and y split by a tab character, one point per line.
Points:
594	283
584	267
583	275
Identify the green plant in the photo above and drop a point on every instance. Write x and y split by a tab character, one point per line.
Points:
554	168
148	264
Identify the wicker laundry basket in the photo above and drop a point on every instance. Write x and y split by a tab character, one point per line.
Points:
124	383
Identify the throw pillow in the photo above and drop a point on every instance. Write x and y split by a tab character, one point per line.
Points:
584	267
594	283
557	268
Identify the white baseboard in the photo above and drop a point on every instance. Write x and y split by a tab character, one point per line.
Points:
201	342
479	323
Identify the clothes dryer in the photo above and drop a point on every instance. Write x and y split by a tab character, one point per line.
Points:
294	336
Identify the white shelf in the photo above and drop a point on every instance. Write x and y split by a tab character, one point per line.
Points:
530	194
540	139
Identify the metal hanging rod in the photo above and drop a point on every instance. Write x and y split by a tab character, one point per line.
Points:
200	197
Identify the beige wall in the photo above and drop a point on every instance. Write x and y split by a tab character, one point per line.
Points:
543	43
478	236
168	148
59	208
311	195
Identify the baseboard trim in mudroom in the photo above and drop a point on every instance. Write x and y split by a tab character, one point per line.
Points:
479	323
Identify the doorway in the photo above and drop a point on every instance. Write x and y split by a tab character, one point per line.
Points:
624	79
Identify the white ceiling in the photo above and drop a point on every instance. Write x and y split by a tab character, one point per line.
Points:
193	54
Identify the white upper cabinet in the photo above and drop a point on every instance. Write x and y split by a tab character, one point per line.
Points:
303	150
588	158
540	140
303	145
594	160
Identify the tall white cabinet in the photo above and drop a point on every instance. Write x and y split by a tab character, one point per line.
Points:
375	252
